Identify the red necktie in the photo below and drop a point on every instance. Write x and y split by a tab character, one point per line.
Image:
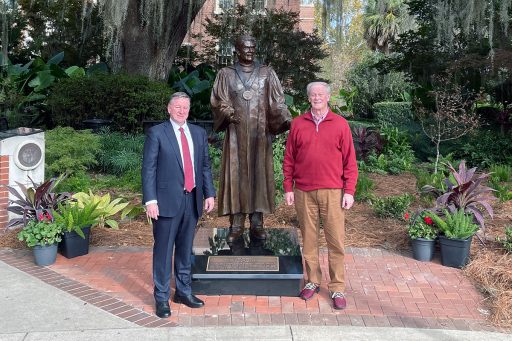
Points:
187	162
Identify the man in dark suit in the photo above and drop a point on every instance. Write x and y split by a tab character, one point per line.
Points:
176	177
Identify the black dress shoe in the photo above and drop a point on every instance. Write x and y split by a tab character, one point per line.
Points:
190	301
163	310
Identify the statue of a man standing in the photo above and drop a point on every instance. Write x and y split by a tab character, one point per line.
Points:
248	103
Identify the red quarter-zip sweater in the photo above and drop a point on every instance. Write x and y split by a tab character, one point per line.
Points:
320	159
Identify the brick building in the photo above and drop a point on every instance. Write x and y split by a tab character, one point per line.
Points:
305	8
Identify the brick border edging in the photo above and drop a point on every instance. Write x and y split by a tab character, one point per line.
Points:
18	259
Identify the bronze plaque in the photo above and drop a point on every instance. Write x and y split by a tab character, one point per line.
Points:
243	263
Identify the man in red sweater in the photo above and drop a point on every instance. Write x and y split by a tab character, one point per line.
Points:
320	175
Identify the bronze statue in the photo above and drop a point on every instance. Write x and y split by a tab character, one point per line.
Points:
248	103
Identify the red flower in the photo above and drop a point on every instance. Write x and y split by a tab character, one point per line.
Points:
428	220
40	217
406	216
48	215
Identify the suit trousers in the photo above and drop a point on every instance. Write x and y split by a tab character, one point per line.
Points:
176	233
312	207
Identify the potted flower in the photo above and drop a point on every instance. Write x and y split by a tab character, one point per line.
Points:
423	233
31	200
457	231
42	235
77	222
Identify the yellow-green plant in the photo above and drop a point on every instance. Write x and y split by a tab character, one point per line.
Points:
455	225
107	207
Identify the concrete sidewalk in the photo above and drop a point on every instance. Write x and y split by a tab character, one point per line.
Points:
33	310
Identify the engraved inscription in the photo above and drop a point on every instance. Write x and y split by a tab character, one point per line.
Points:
243	263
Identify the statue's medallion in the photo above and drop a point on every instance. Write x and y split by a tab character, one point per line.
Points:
247	94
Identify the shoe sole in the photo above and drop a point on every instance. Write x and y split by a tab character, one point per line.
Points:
317	290
339	308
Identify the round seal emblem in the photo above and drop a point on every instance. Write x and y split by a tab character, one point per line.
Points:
28	155
247	94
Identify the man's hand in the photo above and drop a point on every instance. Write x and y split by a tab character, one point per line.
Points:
289	198
348	201
152	211
234	118
208	204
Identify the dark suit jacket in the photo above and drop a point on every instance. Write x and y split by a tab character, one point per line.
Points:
163	178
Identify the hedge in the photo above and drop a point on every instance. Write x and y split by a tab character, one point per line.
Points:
127	100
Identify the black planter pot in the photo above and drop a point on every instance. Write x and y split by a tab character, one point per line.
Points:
455	252
423	249
72	245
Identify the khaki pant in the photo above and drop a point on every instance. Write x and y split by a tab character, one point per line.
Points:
324	204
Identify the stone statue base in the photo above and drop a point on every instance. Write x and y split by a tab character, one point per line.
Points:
246	267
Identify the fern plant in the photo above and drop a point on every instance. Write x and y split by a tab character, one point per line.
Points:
455	225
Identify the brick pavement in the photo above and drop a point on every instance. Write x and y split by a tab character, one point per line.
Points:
383	289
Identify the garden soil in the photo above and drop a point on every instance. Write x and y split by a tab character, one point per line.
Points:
490	268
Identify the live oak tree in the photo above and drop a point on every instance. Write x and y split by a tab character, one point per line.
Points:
142	36
145	35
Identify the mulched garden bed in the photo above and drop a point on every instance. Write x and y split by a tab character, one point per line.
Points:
490	267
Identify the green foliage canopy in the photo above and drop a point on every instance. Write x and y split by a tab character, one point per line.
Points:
292	53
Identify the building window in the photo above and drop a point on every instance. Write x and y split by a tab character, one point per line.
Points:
225	53
221	5
257	5
307	2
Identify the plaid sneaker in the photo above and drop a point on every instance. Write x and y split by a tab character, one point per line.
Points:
309	290
338	300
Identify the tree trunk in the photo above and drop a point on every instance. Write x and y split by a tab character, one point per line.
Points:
438	142
148	47
5	34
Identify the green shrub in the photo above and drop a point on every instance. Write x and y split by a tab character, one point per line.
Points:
129	181
216	161
278	148
485	149
69	151
373	86
76	182
396	114
507	241
120	152
392	207
125	99
396	157
364	187
501	173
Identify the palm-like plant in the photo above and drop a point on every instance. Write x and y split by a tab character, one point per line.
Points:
37	198
467	192
384	21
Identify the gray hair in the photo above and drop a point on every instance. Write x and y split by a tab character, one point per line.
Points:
324	84
178	94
